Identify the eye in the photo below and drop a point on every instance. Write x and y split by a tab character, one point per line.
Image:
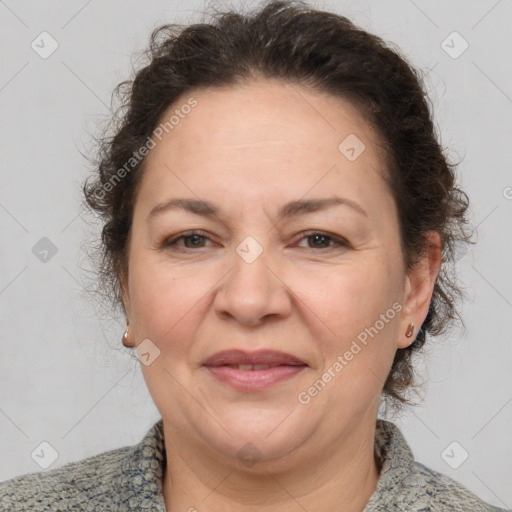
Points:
194	237
322	240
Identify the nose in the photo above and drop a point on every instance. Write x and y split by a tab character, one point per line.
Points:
253	290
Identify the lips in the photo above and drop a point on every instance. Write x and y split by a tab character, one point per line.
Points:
253	371
258	360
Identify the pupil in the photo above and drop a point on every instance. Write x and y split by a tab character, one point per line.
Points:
317	238
194	239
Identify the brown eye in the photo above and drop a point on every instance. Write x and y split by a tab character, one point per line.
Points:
195	240
321	240
191	240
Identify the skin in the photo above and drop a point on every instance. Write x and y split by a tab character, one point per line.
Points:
249	149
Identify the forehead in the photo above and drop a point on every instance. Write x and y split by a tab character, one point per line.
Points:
266	111
264	136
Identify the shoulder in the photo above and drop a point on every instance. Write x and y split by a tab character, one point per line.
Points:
435	491
83	485
407	485
127	478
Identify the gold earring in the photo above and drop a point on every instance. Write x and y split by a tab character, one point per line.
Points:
125	339
410	330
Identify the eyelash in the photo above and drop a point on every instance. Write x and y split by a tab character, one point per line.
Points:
336	241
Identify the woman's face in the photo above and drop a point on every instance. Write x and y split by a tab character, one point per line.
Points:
322	282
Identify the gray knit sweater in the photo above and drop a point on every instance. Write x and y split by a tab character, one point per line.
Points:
130	478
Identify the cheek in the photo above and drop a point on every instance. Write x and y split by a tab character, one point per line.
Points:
352	297
360	306
357	344
162	298
361	309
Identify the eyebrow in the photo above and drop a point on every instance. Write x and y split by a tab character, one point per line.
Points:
289	210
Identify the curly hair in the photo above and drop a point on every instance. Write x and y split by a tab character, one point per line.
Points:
294	43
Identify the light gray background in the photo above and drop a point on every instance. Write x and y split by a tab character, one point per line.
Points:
65	377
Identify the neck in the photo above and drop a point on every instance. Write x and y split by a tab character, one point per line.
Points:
334	480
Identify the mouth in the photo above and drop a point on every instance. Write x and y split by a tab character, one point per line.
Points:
259	358
253	371
251	367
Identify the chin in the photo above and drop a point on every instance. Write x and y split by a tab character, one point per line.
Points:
260	435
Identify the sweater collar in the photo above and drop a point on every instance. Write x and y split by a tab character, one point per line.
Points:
142	471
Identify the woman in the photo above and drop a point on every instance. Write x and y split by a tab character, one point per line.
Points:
278	220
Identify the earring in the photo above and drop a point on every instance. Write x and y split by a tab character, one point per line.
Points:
410	330
125	339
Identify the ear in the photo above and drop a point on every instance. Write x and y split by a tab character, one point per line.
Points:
419	287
